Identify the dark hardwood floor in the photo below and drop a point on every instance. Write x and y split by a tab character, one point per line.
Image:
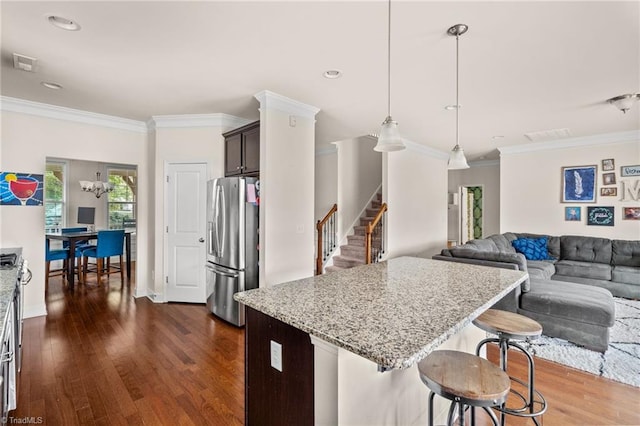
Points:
101	357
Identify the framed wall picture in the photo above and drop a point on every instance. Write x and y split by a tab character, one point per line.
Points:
609	192
631	213
609	179
608	164
579	184
21	189
630	171
573	213
600	216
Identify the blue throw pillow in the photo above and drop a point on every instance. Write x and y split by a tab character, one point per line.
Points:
532	248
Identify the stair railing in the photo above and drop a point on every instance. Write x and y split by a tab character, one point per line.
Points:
374	233
326	229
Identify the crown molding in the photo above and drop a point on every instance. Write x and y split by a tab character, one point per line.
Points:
70	114
423	149
328	150
579	142
484	163
271	100
197	120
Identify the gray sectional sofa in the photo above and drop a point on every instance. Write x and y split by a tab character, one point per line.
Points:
571	292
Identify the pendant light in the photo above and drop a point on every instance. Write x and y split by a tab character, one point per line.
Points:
457	159
389	139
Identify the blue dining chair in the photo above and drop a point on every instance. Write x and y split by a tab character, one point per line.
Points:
110	243
50	256
80	246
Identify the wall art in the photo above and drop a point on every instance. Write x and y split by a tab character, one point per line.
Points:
573	214
600	216
631	213
608	192
579	184
21	189
609	179
627	171
608	164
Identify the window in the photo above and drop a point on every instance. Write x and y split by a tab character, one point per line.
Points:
54	196
122	200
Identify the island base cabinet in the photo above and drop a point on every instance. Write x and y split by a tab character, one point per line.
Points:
274	397
350	391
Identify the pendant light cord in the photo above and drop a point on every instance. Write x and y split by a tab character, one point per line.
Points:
457	89
389	62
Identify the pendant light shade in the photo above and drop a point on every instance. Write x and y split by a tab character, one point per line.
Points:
389	139
457	159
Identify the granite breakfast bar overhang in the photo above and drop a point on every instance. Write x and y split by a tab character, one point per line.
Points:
362	322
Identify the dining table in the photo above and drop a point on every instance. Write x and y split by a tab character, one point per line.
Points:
74	237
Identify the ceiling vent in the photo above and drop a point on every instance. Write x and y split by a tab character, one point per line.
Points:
24	63
548	135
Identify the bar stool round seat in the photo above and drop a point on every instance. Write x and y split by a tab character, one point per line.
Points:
465	379
510	326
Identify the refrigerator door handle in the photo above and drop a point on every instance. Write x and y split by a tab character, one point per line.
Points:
216	224
224	222
224	274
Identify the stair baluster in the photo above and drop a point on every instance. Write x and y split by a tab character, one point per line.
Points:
374	233
326	238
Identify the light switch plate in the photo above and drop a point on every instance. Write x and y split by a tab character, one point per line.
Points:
276	355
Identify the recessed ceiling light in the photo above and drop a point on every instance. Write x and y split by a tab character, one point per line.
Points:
331	74
64	23
496	137
50	85
452	107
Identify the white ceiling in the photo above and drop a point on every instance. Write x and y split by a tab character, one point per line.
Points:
524	66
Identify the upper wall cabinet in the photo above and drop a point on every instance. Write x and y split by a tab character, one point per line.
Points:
242	151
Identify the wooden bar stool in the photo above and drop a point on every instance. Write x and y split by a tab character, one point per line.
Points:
466	380
507	326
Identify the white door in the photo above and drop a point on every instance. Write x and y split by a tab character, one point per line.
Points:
185	232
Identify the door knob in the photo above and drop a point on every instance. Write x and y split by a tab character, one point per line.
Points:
201	240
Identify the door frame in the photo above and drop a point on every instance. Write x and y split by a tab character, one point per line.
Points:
462	190
165	220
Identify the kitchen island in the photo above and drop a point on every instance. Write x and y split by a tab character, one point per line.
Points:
350	340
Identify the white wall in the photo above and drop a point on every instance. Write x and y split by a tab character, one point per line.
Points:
287	161
415	188
85	170
485	174
326	182
530	185
174	145
359	177
27	140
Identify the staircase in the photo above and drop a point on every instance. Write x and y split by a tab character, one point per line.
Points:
353	253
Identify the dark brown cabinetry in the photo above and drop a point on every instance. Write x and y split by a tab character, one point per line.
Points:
242	151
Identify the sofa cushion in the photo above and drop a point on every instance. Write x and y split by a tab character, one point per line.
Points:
553	243
541	269
577	302
626	274
573	268
483	245
625	253
502	243
585	249
532	248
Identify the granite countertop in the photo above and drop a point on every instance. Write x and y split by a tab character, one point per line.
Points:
393	313
8	277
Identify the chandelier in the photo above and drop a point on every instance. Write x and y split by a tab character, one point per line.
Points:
98	187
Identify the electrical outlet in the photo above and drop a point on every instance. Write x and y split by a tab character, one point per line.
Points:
300	229
276	355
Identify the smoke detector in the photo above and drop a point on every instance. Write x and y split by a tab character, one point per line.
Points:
24	63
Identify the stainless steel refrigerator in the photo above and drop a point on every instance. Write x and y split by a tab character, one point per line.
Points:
232	244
